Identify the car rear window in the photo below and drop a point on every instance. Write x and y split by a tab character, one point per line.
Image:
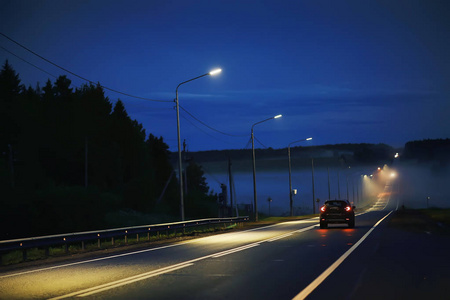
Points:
336	203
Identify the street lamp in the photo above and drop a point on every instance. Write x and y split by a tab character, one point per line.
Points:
213	72
290	177
253	160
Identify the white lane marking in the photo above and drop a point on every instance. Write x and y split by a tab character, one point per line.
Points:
86	261
313	285
289	234
143	251
115	284
235	250
111	285
279	237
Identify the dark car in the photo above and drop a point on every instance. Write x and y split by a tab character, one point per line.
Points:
337	211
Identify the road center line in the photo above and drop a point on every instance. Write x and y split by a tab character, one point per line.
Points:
115	284
121	282
134	252
289	234
313	285
235	250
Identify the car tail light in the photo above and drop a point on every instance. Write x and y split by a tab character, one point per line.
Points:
348	208
322	209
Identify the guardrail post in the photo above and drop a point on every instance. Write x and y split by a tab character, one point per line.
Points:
42	242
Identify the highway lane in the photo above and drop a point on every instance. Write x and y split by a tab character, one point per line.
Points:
274	262
64	279
272	270
271	262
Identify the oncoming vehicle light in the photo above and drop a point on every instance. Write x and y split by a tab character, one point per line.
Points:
348	208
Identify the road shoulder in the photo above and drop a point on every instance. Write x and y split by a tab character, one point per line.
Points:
409	262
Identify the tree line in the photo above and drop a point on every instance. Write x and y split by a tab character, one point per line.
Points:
428	150
360	153
70	160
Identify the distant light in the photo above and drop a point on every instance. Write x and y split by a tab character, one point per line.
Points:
308	139
379	169
396	155
277	116
393	175
216	71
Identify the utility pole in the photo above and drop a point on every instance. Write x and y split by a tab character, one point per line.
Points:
230	180
86	162
353	189
329	192
313	192
185	166
339	187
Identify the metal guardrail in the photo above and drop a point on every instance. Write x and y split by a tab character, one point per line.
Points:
71	238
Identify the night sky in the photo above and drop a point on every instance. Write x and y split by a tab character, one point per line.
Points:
339	71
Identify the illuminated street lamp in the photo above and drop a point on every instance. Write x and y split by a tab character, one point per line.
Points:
253	160
213	72
290	177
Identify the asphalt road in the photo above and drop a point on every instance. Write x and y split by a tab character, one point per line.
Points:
283	261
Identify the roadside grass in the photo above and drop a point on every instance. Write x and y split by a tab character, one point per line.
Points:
441	215
431	220
35	254
120	244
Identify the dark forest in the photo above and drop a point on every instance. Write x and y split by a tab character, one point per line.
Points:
73	161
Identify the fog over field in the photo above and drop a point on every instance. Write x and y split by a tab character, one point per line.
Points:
411	184
419	181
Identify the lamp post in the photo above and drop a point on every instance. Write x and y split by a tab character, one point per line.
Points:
291	202
214	72
357	174
254	169
313	188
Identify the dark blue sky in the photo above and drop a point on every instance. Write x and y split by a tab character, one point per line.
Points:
339	71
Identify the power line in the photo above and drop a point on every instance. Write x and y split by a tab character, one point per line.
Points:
248	143
216	138
260	142
190	122
28	62
76	75
206	125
